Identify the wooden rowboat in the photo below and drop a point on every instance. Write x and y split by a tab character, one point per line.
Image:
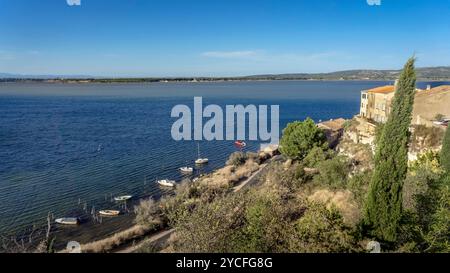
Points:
67	221
109	212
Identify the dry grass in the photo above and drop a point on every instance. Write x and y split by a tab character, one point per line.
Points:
243	172
118	239
343	201
230	175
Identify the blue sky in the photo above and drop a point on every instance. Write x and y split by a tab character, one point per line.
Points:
219	37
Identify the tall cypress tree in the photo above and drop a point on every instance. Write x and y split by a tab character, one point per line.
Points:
445	152
384	203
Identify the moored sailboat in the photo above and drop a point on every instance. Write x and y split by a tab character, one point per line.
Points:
200	160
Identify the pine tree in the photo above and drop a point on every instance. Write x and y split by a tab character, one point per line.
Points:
445	152
384	203
299	138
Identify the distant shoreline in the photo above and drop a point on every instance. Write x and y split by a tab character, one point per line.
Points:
438	73
151	81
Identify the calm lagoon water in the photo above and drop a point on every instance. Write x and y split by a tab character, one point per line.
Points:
66	149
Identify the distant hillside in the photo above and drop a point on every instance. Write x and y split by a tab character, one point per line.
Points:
425	73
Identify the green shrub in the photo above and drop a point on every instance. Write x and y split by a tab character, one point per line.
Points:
333	172
425	227
316	156
300	173
321	230
415	188
299	138
438	236
285	180
410	238
445	152
358	184
211	227
174	208
266	226
428	160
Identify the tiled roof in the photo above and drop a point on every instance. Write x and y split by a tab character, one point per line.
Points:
382	90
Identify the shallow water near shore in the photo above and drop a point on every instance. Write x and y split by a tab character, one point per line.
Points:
67	149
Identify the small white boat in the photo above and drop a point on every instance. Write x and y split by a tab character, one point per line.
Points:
200	160
123	198
109	212
67	221
187	170
166	183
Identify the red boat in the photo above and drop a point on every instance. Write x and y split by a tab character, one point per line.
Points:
240	144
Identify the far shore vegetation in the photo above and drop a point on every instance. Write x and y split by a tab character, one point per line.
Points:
423	74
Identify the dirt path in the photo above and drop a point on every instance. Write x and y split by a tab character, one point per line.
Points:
163	235
249	180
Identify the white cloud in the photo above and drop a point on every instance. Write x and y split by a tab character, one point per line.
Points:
73	2
230	54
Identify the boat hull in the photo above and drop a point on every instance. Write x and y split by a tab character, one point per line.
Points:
166	183
186	170
123	198
109	212
202	161
67	221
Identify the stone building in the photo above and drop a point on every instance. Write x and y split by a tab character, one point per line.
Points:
376	103
428	104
